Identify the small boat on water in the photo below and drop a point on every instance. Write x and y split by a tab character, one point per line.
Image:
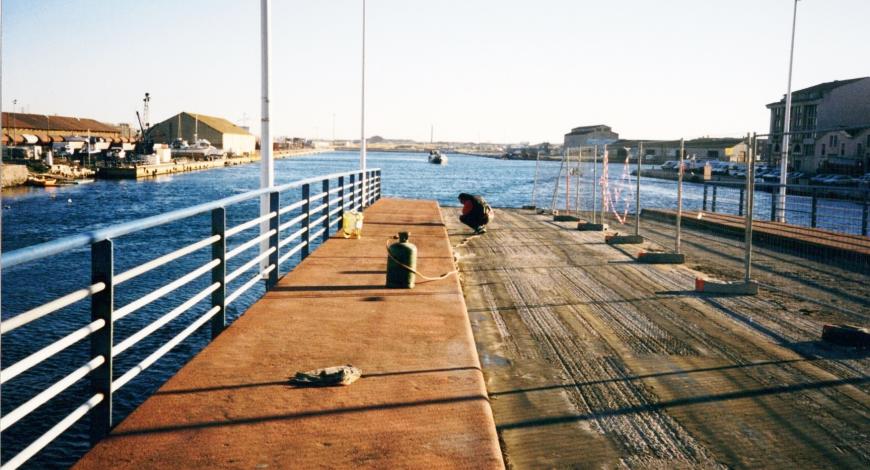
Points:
437	158
41	181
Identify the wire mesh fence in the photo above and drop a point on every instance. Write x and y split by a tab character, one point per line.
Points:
703	205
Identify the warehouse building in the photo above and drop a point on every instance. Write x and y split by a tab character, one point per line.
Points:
218	131
41	129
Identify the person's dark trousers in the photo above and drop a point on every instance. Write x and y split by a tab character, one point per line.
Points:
471	221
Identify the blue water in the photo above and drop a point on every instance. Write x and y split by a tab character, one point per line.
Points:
32	216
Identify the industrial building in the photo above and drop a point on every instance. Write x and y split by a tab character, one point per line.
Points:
41	129
590	135
218	131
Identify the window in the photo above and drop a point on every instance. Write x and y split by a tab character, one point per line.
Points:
823	149
842	149
797	148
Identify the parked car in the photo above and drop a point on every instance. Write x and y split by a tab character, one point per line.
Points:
669	165
839	180
819	178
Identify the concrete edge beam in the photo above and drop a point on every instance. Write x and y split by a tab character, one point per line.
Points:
661	258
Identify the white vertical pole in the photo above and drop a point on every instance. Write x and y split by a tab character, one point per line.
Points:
267	165
786	127
362	139
679	197
594	181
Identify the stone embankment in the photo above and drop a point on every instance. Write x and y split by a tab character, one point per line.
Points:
13	175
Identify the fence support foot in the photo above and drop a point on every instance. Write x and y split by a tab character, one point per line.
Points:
564	218
623	239
660	258
590	227
717	287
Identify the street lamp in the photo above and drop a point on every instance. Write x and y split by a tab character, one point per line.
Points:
786	127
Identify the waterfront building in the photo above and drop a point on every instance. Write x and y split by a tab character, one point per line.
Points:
192	126
585	136
817	112
727	149
42	131
842	151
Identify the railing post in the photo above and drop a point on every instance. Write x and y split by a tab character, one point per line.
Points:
865	215
704	205
341	198
274	223
219	272
102	306
773	207
325	235
713	207
740	206
814	212
306	222
360	206
352	192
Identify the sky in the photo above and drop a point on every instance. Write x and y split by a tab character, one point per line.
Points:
469	70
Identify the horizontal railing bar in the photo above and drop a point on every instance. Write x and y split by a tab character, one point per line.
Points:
335	200
292	222
250	264
152	327
315	223
292	237
292	252
249	224
289	208
251	283
318	196
27	407
23	365
154	295
248	244
153	357
157	262
318	233
315	210
335	190
52	433
336	221
49	307
334	211
61	245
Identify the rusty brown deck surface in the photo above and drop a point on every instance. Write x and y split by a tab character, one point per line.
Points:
421	402
595	361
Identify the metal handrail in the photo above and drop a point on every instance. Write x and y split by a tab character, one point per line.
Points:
101	290
61	245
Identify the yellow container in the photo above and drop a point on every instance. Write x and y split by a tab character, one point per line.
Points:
352	224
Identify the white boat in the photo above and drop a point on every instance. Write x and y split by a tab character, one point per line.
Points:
437	158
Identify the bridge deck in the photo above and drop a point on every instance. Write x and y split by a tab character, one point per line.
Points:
420	403
595	361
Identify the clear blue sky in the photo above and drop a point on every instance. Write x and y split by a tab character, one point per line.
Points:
493	70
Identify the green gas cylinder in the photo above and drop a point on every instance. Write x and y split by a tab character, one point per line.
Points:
402	255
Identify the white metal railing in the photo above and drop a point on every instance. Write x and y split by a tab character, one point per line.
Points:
317	215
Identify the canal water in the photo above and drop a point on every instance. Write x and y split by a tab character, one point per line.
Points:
32	216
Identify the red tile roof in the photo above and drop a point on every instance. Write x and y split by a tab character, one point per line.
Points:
54	123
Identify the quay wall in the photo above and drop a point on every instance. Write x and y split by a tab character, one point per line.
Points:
146	171
13	175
